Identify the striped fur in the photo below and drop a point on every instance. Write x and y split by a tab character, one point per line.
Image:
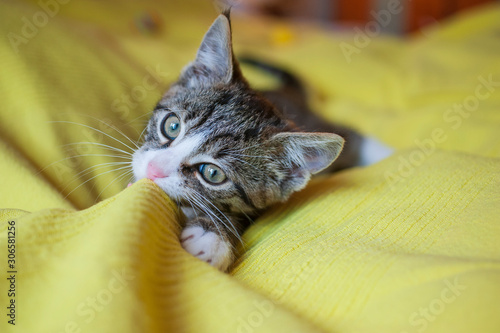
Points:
224	122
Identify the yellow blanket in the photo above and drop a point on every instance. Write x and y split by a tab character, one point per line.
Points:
410	244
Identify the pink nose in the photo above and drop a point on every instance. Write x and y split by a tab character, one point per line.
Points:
153	172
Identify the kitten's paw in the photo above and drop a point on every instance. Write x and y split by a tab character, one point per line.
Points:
207	246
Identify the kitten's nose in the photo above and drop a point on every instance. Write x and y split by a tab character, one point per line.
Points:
153	172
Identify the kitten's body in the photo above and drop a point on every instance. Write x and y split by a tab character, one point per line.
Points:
292	101
224	152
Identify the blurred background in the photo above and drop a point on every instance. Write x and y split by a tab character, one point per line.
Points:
371	65
412	15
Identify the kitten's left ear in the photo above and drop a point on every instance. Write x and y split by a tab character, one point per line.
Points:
214	61
304	154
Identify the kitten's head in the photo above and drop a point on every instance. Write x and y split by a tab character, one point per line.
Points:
213	141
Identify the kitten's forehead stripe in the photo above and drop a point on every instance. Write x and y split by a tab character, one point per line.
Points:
203	119
225	98
222	136
251	133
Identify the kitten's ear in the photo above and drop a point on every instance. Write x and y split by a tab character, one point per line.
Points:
304	154
214	60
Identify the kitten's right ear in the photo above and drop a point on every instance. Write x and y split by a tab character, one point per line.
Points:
214	60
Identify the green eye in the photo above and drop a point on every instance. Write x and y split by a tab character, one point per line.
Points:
212	173
171	126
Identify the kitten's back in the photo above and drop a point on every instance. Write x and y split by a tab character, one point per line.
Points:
291	99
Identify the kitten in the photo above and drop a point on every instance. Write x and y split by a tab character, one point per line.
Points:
224	152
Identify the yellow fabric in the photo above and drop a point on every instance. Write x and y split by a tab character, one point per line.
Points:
407	245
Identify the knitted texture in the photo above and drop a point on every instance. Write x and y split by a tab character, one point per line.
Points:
407	245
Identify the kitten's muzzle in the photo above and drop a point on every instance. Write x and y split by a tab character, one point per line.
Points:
153	171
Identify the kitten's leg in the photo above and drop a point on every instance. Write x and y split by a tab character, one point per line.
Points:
208	244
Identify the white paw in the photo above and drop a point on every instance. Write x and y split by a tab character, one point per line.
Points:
207	246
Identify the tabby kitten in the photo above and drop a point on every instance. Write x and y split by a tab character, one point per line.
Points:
223	152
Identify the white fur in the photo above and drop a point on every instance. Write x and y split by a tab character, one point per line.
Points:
168	160
373	151
207	246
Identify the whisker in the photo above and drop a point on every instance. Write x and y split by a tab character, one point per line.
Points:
190	203
144	115
94	129
113	127
101	174
101	165
74	156
100	145
112	182
248	217
142	133
102	155
231	228
93	168
205	209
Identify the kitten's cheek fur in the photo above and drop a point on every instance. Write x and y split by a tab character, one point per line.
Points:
140	161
